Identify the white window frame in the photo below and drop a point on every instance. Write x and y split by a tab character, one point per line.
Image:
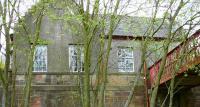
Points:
122	59
79	65
45	59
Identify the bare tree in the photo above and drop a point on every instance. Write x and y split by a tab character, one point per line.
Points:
170	35
7	17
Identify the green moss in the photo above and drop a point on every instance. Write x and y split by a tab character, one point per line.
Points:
43	42
195	69
2	65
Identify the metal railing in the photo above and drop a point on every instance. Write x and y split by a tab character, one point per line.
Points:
191	57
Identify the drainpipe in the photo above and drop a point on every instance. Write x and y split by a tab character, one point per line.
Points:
146	85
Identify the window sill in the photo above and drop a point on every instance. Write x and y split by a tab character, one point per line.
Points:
76	73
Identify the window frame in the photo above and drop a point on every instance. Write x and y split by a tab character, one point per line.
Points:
46	59
81	57
121	69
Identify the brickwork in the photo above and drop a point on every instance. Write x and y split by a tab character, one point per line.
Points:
63	91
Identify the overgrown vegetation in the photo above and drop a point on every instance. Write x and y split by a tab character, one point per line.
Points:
91	24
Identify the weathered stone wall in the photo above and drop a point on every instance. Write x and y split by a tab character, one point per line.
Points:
185	97
190	98
64	91
61	90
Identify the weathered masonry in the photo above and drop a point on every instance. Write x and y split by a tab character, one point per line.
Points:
58	63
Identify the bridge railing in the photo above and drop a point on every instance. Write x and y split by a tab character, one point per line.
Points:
191	57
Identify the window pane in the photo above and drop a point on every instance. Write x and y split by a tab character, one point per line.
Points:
76	58
125	60
40	59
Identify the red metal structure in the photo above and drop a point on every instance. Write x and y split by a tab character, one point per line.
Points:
192	57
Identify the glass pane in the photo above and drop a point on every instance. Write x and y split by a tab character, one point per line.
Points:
125	60
40	59
76	58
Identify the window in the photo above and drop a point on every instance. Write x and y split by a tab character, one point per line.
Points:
125	60
76	58
40	59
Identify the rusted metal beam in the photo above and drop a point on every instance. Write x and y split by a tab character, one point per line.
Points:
192	58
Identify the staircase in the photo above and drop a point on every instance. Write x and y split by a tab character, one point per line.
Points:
191	58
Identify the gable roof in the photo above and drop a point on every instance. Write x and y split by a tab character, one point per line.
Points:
137	26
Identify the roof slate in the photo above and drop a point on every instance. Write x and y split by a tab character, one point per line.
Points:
137	26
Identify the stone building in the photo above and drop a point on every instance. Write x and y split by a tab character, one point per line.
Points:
56	63
59	57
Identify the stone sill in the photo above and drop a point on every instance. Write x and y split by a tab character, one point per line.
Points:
76	73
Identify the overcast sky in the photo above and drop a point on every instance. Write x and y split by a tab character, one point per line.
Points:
24	6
